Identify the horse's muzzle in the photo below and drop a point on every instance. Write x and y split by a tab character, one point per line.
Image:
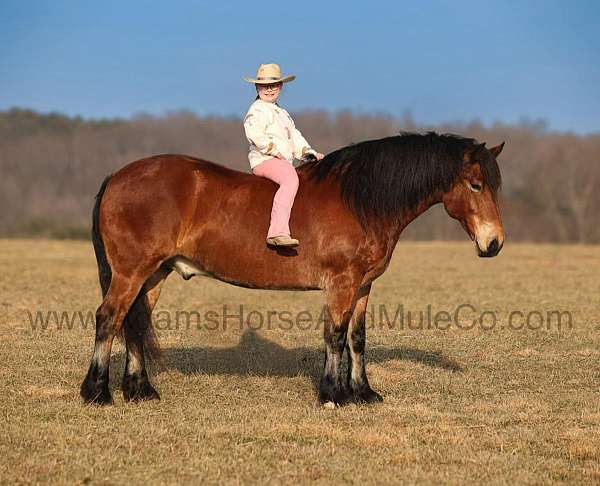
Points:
492	250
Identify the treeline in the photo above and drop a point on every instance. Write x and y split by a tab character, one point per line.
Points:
51	166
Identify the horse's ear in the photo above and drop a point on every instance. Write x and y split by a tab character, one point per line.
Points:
474	153
497	149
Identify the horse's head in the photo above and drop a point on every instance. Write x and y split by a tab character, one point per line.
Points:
472	199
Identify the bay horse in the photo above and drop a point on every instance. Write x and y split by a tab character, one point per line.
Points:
177	213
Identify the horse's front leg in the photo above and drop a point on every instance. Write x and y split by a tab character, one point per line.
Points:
357	381
340	303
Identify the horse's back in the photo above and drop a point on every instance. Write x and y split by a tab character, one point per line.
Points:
176	165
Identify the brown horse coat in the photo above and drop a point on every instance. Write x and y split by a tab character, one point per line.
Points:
173	212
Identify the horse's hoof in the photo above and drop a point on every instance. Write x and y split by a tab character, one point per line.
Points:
96	397
336	397
368	396
139	392
144	396
330	405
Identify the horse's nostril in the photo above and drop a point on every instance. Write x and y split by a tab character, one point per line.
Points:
493	246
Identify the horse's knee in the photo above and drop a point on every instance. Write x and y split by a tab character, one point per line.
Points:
104	322
356	340
336	338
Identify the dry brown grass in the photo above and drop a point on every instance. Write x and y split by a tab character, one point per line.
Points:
461	406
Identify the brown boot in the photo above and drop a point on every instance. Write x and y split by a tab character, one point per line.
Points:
283	240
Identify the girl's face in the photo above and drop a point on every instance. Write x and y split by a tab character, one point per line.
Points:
269	92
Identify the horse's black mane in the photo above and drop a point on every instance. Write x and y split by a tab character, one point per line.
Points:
387	176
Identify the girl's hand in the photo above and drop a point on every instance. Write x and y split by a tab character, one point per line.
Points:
319	155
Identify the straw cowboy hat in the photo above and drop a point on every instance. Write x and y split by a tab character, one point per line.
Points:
269	74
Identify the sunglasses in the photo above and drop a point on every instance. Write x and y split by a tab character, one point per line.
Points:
268	87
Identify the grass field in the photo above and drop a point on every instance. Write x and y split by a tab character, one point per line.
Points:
504	402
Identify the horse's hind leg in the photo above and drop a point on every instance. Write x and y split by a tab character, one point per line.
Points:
140	340
357	381
109	319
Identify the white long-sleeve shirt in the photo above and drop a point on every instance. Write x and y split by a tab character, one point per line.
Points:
271	132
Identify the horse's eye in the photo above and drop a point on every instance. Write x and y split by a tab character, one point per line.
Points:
475	187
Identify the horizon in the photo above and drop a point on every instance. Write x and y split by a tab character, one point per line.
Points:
539	125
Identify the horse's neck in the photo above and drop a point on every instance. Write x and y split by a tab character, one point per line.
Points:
410	215
386	232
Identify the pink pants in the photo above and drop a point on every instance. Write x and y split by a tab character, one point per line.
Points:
283	173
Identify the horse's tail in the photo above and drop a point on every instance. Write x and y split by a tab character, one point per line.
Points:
104	271
138	322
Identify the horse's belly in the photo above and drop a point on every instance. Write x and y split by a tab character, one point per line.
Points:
241	277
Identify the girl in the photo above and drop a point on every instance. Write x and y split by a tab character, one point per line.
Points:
274	143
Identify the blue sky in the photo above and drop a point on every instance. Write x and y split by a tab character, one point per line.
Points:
439	60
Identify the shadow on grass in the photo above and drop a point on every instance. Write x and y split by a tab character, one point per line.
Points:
255	355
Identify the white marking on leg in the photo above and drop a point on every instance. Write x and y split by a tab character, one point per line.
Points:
101	354
134	364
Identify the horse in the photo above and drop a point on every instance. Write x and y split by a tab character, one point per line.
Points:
178	213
